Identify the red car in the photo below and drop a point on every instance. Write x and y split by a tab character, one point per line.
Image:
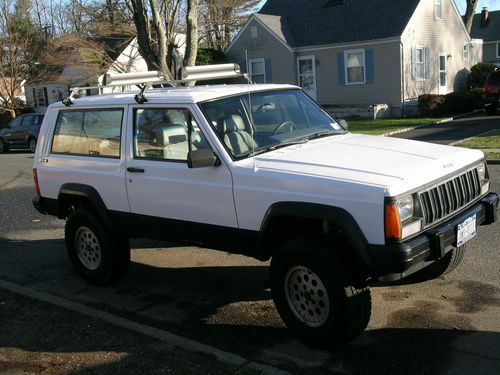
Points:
492	92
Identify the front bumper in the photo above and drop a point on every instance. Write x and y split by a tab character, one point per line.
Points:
398	260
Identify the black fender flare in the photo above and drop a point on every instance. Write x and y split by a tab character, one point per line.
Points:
87	193
342	219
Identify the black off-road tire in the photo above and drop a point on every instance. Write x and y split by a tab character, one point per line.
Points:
99	257
441	267
319	321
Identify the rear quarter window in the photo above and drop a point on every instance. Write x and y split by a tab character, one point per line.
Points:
88	133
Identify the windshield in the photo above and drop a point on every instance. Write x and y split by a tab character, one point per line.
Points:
277	119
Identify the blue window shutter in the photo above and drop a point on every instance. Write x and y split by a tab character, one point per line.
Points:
341	68
427	63
369	68
414	63
268	71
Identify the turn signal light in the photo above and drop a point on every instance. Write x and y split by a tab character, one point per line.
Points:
392	222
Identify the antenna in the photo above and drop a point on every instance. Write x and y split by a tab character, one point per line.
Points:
250	115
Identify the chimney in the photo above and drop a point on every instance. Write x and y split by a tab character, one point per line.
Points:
485	17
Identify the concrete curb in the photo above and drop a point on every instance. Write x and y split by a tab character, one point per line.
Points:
400	131
438	122
156	333
443	121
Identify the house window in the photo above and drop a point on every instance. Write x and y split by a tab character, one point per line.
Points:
355	67
437	10
40	98
466	51
257	70
420	63
253	32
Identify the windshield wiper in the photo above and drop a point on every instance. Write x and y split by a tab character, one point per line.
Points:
281	145
321	135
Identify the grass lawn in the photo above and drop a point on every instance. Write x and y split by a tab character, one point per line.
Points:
486	141
382	126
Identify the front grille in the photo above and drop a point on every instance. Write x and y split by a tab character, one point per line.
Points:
449	197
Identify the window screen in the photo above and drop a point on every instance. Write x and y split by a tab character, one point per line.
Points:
89	133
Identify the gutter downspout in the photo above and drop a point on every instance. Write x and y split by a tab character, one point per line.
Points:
403	81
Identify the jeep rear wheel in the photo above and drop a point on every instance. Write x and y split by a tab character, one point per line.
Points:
99	257
316	296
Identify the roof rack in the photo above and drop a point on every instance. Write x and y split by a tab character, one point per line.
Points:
145	80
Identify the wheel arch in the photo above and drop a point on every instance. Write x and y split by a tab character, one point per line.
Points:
302	218
74	194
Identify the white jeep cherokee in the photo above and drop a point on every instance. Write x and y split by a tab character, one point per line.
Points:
260	170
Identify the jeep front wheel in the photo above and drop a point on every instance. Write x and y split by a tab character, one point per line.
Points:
442	266
316	295
99	257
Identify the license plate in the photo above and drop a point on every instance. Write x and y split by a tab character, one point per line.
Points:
466	230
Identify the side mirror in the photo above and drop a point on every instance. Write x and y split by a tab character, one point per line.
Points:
202	158
344	124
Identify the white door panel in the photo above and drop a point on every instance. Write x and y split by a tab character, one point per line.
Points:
169	189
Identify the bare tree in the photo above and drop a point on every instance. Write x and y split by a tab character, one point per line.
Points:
221	19
470	10
469	13
191	33
156	34
21	47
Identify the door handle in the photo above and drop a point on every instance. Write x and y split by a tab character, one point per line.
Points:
135	170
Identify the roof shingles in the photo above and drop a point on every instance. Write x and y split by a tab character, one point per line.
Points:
316	22
490	32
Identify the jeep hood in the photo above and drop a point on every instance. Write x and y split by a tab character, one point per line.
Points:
397	165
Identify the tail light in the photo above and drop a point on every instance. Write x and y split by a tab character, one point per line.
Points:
37	186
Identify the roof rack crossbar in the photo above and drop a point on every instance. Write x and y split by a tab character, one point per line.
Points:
145	80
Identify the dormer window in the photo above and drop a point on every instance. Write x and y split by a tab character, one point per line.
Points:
438	12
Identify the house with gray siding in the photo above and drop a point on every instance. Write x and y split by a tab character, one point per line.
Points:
486	26
358	57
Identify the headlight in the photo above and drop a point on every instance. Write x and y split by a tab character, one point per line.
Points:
400	219
405	208
481	171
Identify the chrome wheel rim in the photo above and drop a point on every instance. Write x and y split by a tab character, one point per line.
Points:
87	248
307	296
